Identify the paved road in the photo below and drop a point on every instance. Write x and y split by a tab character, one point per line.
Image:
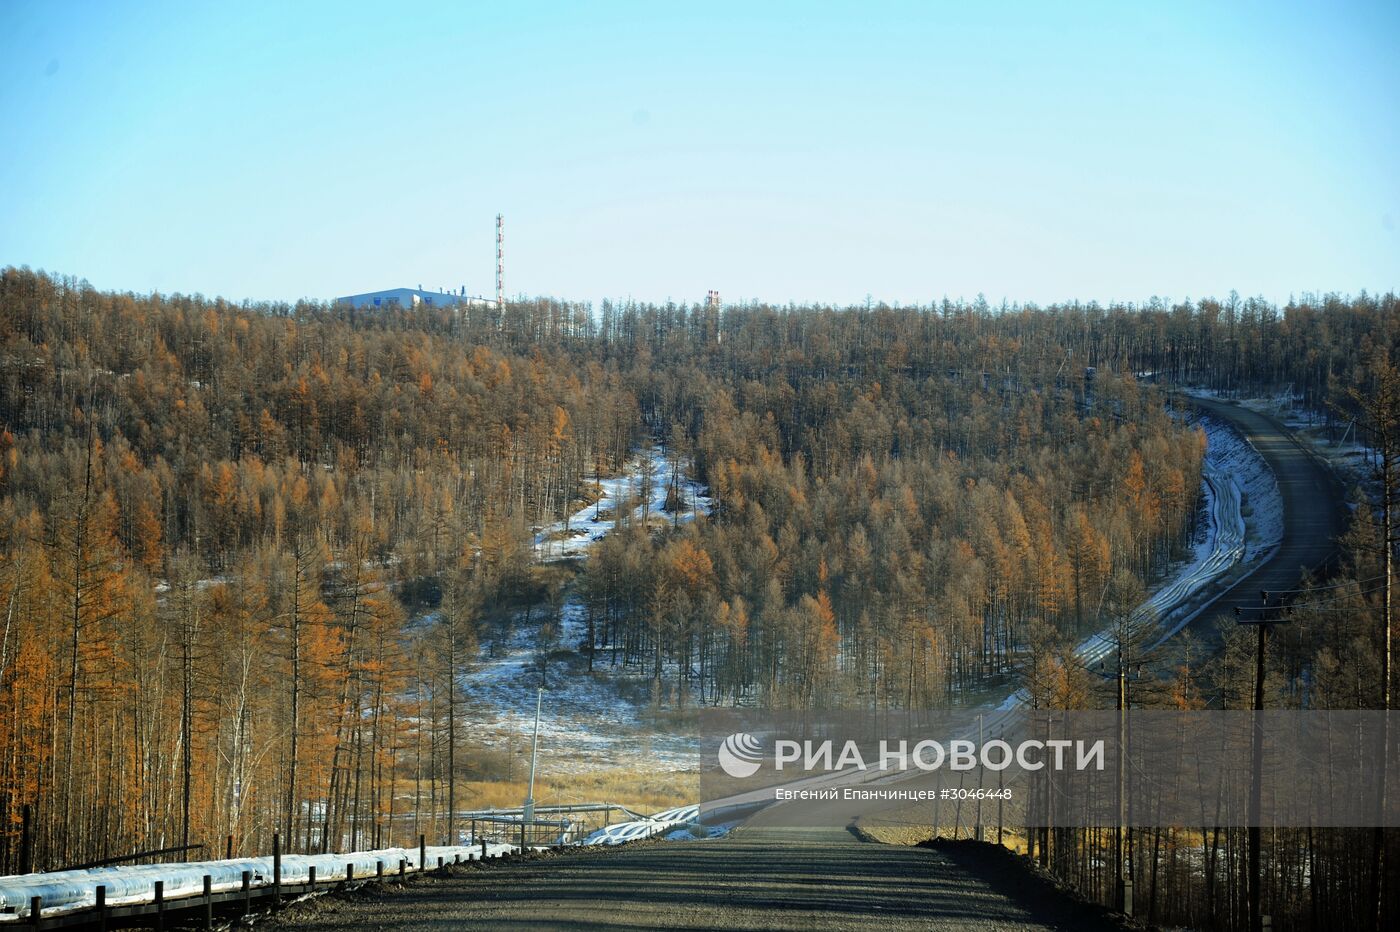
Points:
801	879
1314	511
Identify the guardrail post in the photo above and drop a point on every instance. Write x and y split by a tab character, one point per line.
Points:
208	902
160	905
36	908
379	871
101	908
522	837
349	873
26	841
276	872
247	890
422	852
439	862
483	849
311	878
403	869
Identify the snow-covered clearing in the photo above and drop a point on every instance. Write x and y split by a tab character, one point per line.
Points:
637	495
589	721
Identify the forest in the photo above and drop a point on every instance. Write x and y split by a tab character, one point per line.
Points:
247	551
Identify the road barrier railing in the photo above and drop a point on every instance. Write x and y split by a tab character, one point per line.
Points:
156	894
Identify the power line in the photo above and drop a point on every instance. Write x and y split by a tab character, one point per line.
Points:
1306	604
1340	585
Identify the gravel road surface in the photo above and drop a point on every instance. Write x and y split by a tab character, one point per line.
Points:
800	879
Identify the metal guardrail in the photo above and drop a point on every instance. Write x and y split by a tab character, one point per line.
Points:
558	809
201	907
499	826
533	833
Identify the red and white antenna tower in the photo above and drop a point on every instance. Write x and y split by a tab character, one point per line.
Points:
500	262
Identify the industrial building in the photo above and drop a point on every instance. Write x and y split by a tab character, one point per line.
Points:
412	297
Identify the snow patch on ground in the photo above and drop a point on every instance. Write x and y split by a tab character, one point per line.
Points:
1260	502
73	891
638	494
589	720
700	832
1335	443
672	822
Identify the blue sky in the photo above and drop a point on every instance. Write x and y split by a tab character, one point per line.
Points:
773	151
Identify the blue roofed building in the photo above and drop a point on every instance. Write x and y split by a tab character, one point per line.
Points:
411	297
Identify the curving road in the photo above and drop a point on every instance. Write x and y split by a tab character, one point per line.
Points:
1314	511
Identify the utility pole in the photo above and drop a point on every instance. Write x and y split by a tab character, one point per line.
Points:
1122	834
1125	883
1387	477
534	754
1256	921
1378	865
979	781
1261	618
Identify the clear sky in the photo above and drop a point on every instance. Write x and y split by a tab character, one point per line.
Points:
779	151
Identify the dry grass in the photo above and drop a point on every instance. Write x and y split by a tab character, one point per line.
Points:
912	832
897	834
639	790
588	495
